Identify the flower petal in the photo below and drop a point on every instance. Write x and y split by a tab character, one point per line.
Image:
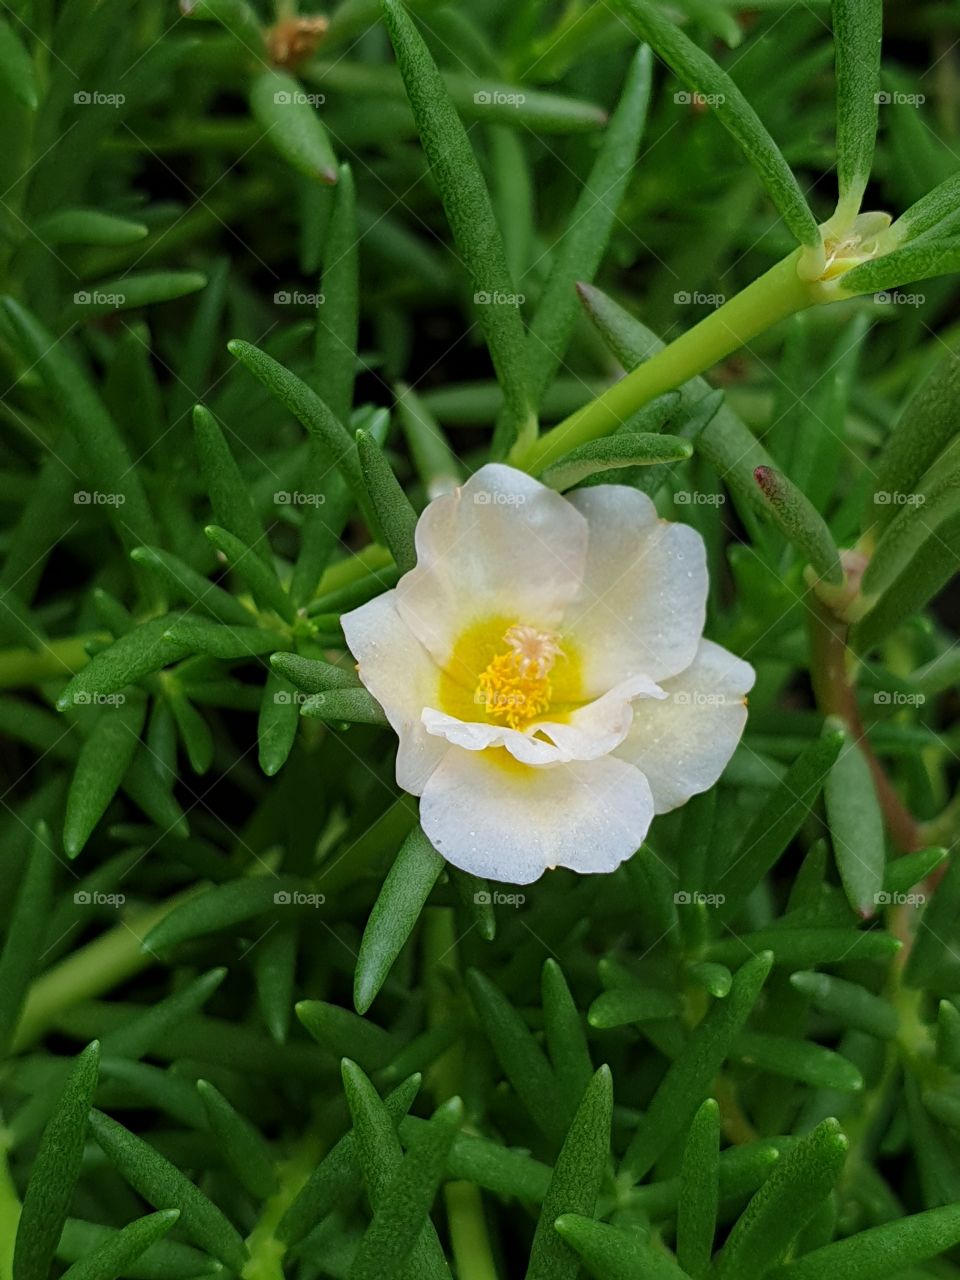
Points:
643	601
502	545
496	818
589	732
403	677
682	745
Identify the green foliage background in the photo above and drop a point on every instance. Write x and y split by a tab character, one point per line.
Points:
235	979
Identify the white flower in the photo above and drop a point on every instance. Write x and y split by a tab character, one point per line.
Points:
544	669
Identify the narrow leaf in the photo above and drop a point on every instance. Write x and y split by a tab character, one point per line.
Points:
291	124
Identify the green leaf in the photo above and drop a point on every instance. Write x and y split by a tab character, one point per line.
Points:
856	828
470	215
784	1204
908	869
948	1035
932	943
104	759
415	871
291	124
146	1032
857	32
338	1173
800	523
346	706
802	1060
160	1182
186	586
89	226
166	1260
613	452
311	675
690	1075
145	649
335	340
580	250
565	1036
16	68
277	725
778	821
396	515
521	1058
802	947
342	1032
435	461
881	1251
307	407
918	260
624	1005
699	1191
23	943
575	1183
139	289
243	1150
380	1158
219	640
617	1253
116	1255
936	211
404	1205
229	496
222	907
106	461
55	1171
259	576
849	1002
701	74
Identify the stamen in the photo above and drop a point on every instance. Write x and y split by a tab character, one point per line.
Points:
515	687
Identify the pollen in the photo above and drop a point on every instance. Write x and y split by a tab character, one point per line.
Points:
515	687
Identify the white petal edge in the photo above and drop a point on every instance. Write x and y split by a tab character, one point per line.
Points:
588	733
503	544
510	824
643	602
683	744
395	667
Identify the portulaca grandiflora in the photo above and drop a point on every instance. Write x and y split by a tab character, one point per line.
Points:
545	670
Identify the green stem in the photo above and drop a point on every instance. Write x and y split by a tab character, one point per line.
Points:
9	1213
56	658
774	296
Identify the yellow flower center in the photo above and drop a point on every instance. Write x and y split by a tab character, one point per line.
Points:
506	672
515	687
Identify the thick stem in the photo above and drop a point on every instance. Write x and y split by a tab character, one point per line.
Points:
835	696
775	295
